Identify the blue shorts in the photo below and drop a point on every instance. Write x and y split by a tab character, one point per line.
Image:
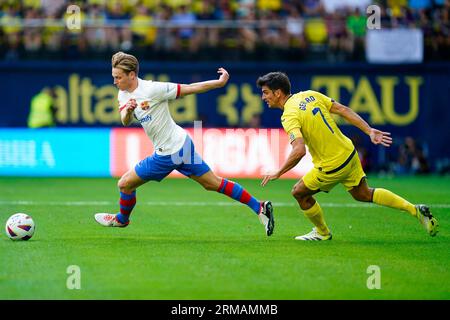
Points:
186	161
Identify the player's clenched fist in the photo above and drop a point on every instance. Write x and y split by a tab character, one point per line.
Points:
131	105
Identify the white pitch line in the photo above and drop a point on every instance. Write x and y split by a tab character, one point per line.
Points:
191	204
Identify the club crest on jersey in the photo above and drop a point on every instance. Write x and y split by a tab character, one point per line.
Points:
145	105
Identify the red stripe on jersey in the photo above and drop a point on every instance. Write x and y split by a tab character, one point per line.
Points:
121	108
245	197
178	90
229	188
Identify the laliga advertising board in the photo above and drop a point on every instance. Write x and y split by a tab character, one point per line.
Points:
79	152
234	153
54	152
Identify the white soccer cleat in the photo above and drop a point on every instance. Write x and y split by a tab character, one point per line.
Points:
109	220
266	217
314	235
426	219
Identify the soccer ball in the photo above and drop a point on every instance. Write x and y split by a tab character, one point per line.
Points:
20	226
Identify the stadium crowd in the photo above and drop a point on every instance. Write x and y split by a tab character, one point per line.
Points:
213	29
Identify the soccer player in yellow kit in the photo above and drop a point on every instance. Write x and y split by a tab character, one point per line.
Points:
307	120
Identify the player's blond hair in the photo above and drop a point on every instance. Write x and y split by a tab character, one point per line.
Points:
126	62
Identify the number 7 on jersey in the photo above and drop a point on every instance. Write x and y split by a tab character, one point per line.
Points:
317	109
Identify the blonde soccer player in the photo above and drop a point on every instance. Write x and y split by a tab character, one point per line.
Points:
307	120
148	103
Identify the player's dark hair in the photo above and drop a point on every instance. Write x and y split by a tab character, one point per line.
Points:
275	81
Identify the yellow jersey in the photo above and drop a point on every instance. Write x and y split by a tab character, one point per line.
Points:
307	115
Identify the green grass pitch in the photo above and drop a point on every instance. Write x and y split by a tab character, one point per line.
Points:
187	243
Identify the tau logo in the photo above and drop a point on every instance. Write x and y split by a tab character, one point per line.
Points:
146	119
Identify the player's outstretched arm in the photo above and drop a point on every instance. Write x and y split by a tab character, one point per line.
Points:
376	136
297	153
204	86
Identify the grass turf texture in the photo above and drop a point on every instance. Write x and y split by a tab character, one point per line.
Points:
213	249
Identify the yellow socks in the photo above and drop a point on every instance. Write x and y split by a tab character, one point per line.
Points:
380	196
315	215
387	198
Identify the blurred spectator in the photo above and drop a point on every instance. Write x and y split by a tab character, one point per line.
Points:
174	4
32	38
419	4
118	35
165	38
52	35
338	43
356	27
248	34
52	7
12	29
295	27
186	37
31	4
396	7
269	5
313	8
97	36
316	34
331	6
143	34
289	30
272	36
411	158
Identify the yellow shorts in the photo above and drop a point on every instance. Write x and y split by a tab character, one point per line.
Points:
350	176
